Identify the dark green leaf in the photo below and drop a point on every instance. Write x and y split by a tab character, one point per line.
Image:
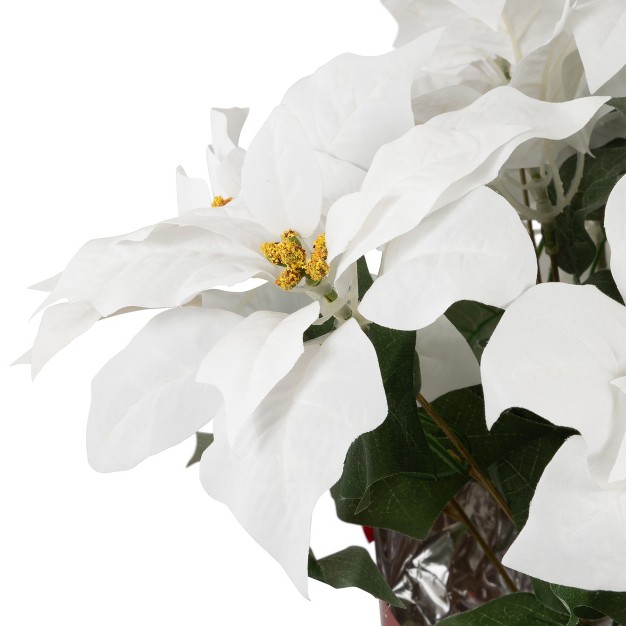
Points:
404	502
475	321
364	277
352	567
516	609
399	445
318	330
601	172
619	104
464	412
519	472
604	281
579	602
544	592
203	441
520	444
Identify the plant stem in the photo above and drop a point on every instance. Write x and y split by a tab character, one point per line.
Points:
552	248
475	471
457	512
531	232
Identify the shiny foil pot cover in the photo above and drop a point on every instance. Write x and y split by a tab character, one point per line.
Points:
448	572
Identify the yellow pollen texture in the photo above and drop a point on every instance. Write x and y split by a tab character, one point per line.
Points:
290	254
218	201
288	279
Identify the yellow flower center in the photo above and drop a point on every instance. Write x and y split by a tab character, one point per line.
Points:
289	253
218	201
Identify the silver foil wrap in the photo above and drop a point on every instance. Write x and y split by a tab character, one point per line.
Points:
447	572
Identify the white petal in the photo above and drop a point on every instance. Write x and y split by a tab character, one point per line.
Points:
247	363
600	31
555	352
281	181
447	362
438	162
225	174
295	444
531	24
267	297
473	249
339	178
60	324
487	11
226	125
191	193
540	75
46	285
353	104
165	267
416	17
25	359
615	226
576	532
146	399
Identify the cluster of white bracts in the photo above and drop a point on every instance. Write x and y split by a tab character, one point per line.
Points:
400	153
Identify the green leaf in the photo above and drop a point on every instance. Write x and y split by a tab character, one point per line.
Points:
352	567
464	412
619	104
364	278
519	472
516	609
544	592
403	502
579	602
399	444
604	281
475	321
516	450
203	441
318	330
601	172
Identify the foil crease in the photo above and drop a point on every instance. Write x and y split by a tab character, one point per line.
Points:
447	572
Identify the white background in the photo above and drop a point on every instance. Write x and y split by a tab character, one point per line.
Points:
99	101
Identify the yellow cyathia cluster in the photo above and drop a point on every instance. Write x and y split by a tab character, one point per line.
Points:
289	253
218	201
316	267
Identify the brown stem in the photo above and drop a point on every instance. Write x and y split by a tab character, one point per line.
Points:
475	471
457	512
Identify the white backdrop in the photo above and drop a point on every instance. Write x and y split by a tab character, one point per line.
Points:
100	101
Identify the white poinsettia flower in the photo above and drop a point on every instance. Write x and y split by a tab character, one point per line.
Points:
224	161
560	351
515	29
447	237
290	413
169	264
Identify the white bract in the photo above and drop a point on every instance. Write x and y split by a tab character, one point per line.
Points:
224	161
518	30
447	236
560	351
288	411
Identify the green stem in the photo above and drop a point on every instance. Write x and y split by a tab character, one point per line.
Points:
457	512
475	471
552	248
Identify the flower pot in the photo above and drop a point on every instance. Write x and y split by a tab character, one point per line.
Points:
448	572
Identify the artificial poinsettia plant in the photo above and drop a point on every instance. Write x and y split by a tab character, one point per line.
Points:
484	157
